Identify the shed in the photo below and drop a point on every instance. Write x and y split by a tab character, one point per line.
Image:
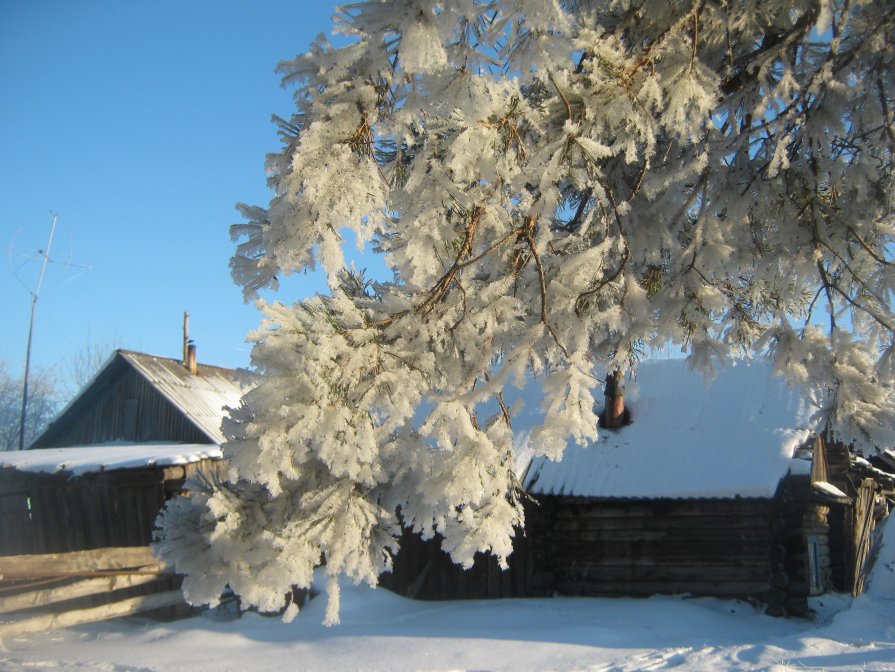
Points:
56	500
138	398
713	489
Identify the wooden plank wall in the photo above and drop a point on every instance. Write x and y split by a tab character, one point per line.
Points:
102	416
50	513
643	547
850	525
838	459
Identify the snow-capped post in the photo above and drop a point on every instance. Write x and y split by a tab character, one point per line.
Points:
554	187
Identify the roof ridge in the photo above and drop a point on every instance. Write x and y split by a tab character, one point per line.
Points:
135	353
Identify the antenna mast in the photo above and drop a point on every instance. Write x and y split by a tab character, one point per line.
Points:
34	295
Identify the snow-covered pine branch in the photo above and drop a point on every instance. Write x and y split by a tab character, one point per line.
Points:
554	186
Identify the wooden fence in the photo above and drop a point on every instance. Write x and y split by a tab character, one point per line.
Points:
59	590
54	513
863	524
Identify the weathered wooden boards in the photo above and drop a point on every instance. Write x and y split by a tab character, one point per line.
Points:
77	563
48	513
107	575
863	524
126	607
42	598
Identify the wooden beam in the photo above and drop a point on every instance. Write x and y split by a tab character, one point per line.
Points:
680	575
583	506
646	588
103	612
77	562
691	537
671	522
692	561
40	598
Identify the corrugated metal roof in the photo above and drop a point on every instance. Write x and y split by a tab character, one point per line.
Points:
202	397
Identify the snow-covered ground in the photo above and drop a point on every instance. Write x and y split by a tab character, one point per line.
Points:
381	631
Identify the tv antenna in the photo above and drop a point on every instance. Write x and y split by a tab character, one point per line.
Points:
43	267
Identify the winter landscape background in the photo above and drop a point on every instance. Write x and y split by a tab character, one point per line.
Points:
609	205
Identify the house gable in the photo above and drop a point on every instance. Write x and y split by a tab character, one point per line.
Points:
202	396
141	398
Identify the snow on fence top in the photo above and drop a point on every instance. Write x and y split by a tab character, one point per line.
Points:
80	460
734	437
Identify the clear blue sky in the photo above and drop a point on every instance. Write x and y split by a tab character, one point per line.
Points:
141	124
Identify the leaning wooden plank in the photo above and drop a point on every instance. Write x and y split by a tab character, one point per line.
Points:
150	570
40	598
56	564
104	612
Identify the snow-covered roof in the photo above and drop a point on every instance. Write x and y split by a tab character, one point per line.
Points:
735	437
80	460
202	397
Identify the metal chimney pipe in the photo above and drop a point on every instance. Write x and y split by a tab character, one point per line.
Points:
613	415
191	363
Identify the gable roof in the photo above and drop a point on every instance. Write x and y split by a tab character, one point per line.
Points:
200	398
735	437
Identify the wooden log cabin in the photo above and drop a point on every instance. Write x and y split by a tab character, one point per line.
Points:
717	490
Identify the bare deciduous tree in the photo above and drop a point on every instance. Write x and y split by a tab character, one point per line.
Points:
43	402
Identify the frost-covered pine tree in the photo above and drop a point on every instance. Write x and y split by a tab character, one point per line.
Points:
555	187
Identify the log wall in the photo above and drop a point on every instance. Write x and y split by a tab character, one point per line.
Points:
802	531
774	550
644	547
